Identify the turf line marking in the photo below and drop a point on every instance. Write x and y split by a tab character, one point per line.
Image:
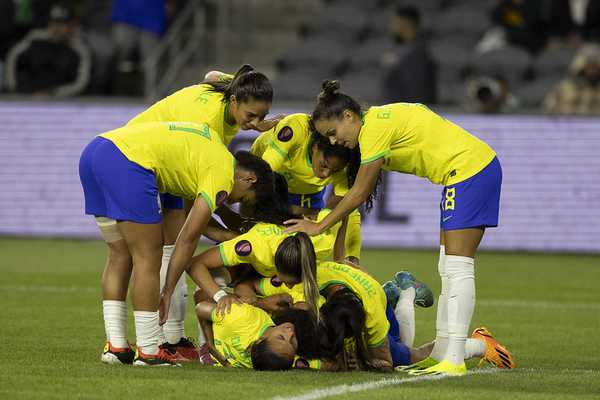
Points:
50	288
554	305
361	387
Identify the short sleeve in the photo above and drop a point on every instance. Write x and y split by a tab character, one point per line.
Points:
286	138
240	250
215	185
375	137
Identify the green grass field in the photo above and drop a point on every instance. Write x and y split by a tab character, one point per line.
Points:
545	308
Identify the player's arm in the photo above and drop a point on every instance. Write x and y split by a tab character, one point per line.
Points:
274	302
363	186
339	247
204	311
380	358
247	290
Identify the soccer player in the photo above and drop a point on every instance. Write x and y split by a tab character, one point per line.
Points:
226	103
410	138
122	172
309	163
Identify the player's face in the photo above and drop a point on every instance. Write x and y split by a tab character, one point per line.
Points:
282	340
249	113
341	131
242	191
323	167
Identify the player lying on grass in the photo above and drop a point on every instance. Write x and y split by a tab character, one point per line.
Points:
226	103
309	164
122	173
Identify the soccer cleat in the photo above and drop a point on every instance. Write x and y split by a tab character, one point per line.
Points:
164	358
392	293
117	355
418	366
495	354
423	295
444	367
186	349
204	355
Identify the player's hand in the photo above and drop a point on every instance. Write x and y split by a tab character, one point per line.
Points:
267	124
163	308
302	225
224	304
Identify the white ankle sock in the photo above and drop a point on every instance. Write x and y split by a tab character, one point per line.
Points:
441	321
147	331
115	322
173	329
405	314
474	348
461	303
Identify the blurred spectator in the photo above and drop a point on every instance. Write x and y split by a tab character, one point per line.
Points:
489	94
579	92
517	22
137	29
51	61
575	21
409	70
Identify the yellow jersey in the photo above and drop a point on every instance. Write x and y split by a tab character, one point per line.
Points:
287	149
258	246
414	140
271	286
367	289
235	332
197	103
186	158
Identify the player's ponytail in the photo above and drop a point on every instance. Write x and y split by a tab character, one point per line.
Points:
246	84
296	257
331	103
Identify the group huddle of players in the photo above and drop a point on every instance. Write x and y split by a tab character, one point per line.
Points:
284	288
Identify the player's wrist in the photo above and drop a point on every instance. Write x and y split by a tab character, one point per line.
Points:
219	295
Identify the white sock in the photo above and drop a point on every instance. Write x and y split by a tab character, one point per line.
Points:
441	321
115	322
173	329
405	314
147	331
474	348
461	303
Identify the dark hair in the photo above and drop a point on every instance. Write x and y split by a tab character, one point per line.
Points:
306	329
343	316
296	256
245	84
267	207
331	104
263	359
409	12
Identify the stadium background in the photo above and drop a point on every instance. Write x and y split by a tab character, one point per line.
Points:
541	302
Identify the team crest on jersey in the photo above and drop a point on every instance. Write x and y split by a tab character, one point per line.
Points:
285	134
275	281
243	248
301	363
221	197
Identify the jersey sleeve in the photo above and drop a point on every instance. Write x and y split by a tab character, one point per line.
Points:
215	184
375	138
286	138
340	183
240	250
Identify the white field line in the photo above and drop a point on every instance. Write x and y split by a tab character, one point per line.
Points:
554	305
50	289
370	385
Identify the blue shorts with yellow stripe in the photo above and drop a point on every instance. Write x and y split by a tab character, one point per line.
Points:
314	200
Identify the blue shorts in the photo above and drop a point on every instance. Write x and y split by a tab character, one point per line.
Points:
473	203
314	200
171	201
115	187
400	352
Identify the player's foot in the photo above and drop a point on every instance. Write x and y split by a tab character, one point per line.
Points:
418	366
204	355
164	358
117	355
495	353
423	295
391	292
444	367
187	349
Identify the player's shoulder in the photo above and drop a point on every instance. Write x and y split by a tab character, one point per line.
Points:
293	127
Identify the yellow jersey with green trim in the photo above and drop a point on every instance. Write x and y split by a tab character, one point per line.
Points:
258	246
197	103
368	290
414	140
235	332
271	286
185	157
287	149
